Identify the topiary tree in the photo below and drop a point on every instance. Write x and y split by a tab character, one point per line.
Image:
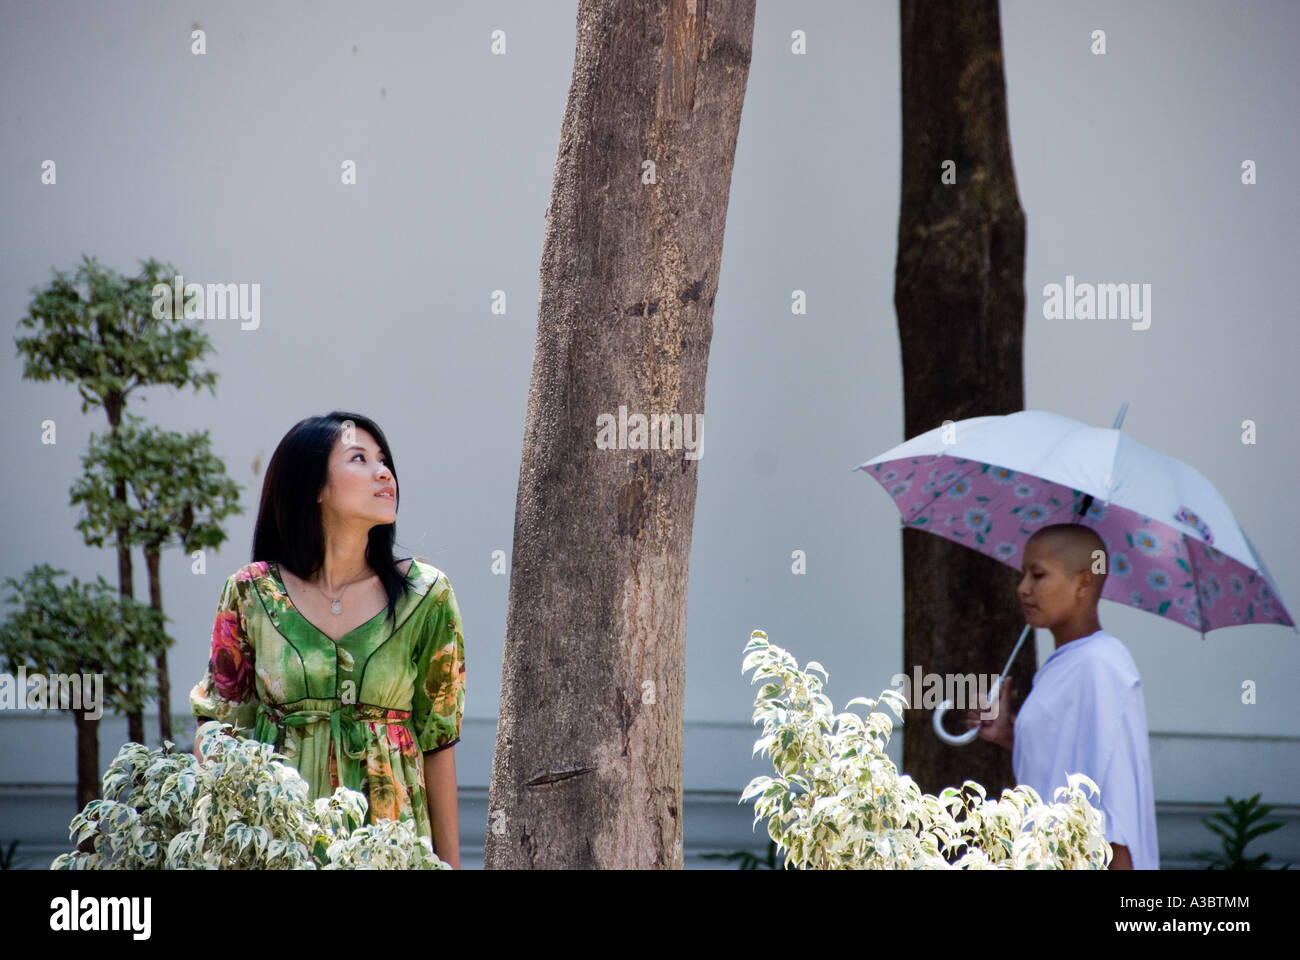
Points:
96	328
85	629
179	493
838	802
241	808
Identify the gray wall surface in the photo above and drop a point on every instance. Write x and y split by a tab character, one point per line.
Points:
377	297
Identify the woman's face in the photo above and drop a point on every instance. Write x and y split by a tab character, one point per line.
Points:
1049	596
359	485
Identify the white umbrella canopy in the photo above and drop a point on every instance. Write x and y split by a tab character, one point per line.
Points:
1172	543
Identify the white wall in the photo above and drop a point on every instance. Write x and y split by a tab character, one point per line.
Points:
377	297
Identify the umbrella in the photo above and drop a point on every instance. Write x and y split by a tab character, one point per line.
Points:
1172	544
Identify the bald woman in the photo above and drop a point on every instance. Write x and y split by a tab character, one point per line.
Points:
1085	712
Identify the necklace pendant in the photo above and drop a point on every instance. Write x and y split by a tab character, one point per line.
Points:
336	607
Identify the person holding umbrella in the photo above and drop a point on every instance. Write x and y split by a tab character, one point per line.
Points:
1084	514
1085	712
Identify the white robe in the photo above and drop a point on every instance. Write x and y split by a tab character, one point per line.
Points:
1085	714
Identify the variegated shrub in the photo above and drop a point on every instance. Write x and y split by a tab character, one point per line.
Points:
241	808
838	802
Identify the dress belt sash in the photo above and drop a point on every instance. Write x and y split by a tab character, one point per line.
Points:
347	731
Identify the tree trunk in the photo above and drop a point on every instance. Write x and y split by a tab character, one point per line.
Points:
113	406
587	771
152	561
959	293
134	719
87	766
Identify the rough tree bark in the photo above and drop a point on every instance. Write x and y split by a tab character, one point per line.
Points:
960	298
587	771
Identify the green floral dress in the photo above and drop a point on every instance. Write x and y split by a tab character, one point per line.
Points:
358	713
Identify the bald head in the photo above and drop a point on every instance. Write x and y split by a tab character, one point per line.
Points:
1074	547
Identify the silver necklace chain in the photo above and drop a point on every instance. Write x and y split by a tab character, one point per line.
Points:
336	605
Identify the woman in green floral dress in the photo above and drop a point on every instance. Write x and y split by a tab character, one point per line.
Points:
351	663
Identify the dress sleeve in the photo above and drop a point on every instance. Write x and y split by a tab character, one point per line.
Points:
228	691
439	702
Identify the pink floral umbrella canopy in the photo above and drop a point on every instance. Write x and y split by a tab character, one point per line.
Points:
1173	546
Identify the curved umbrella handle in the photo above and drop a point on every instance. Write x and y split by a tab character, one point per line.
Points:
961	739
952	739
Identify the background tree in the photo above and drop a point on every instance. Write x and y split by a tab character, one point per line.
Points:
96	328
960	297
587	770
85	629
181	494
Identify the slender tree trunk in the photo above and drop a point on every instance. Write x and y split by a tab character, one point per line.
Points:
113	405
87	766
960	298
588	765
152	556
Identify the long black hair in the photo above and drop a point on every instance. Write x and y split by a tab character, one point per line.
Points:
289	529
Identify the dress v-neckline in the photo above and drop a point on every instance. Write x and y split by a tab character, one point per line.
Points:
274	567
